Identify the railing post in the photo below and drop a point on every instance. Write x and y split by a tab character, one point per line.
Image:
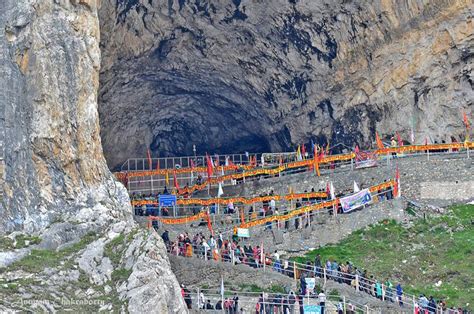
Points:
383	291
198	294
325	279
344	304
294	270
357	283
367	309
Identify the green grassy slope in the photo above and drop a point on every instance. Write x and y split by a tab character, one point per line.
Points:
432	250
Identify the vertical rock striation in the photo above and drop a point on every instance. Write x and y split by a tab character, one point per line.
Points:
49	81
265	75
57	184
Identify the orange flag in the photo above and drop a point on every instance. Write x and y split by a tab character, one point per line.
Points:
175	180
466	120
148	153
379	141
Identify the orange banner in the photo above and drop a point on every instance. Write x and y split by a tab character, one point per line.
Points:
304	209
122	176
235	200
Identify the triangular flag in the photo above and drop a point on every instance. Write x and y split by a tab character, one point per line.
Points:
167	178
226	160
356	150
158	165
356	187
327	148
298	153
303	151
220	191
192	164
209	166
379	141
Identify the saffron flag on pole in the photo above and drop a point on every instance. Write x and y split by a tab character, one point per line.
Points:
327	148
303	151
298	153
175	181
379	141
395	187
167	178
399	139
148	153
209	166
466	120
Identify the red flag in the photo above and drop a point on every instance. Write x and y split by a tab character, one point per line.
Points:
192	164
209	166
396	187
356	150
379	141
327	188
158	165
465	119
175	180
303	151
399	139
209	225
148	153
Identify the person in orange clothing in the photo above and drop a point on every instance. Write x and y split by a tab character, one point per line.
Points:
189	250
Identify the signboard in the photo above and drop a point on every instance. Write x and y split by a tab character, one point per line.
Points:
357	200
167	200
311	309
243	233
365	159
310	284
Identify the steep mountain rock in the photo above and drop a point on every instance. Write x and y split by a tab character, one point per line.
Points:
72	222
252	75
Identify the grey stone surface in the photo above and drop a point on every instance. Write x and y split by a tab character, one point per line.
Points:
54	165
56	182
234	76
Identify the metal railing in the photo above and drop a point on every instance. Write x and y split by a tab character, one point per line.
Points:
230	301
228	222
325	272
154	184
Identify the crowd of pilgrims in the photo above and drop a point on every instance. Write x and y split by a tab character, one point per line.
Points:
220	249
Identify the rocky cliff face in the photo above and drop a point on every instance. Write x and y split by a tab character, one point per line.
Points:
266	75
57	185
53	154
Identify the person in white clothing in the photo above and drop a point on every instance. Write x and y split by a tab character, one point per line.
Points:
322	300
